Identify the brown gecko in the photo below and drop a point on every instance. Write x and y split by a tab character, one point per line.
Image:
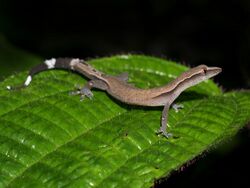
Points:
119	88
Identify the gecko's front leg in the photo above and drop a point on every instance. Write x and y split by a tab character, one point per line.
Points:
86	89
164	118
83	91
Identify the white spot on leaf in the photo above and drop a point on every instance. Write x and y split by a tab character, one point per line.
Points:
22	140
171	76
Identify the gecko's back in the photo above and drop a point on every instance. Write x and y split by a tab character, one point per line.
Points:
129	94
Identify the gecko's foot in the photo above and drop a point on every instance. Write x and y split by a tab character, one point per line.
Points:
164	133
82	92
86	92
75	92
177	107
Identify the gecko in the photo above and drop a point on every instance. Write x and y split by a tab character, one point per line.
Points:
119	88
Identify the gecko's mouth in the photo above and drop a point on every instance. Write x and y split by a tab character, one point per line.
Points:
213	71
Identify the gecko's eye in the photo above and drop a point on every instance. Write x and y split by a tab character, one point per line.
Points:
205	71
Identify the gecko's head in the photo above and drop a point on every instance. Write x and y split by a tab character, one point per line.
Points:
208	72
200	73
195	76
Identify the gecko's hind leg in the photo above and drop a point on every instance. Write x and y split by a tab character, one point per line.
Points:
164	118
86	89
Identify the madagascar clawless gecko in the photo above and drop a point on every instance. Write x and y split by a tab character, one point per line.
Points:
119	88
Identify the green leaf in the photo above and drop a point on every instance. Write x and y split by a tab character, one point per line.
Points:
51	139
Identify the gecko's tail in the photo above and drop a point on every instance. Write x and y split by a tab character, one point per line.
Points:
60	63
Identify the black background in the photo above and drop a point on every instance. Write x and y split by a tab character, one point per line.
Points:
191	32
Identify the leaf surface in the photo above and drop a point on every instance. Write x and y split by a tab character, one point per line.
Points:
51	139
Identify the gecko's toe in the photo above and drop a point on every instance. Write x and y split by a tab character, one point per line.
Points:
164	133
75	92
167	135
177	107
82	98
86	92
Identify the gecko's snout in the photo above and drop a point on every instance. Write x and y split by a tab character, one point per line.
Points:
212	71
